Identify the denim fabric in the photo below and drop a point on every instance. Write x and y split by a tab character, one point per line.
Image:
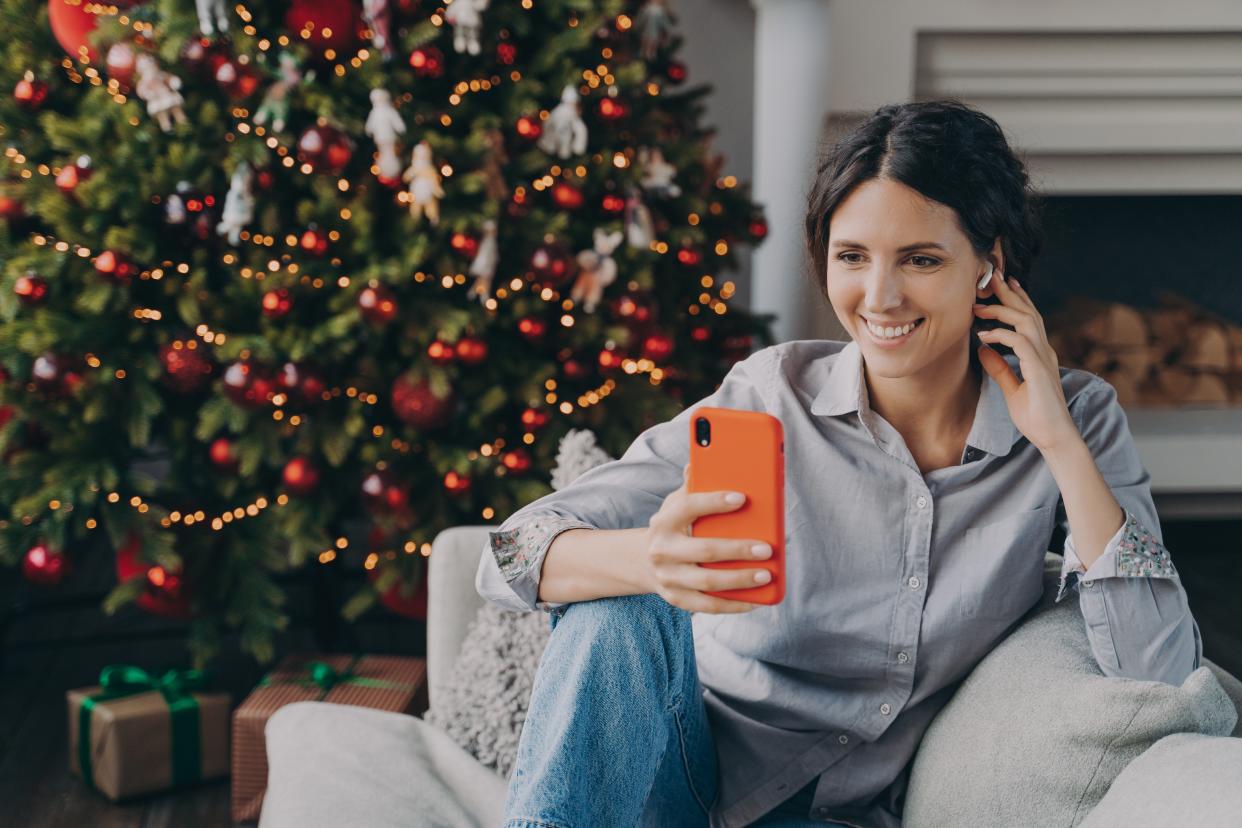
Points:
616	733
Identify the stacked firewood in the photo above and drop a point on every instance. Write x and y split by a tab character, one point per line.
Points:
1177	354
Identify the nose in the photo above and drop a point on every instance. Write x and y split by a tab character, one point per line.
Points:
883	290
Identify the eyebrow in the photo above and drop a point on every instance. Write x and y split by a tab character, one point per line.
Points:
905	249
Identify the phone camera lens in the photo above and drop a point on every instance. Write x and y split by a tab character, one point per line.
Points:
702	431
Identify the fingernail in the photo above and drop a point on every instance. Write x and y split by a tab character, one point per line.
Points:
763	576
761	550
734	497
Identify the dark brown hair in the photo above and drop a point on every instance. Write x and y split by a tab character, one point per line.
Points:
949	152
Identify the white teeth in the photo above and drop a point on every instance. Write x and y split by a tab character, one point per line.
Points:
890	333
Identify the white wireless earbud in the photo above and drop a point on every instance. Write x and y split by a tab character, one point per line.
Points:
987	277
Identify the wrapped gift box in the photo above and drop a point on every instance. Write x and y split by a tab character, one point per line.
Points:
393	683
136	733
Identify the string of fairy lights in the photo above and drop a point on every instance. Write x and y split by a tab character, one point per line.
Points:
593	78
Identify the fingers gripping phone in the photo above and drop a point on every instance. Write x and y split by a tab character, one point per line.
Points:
742	451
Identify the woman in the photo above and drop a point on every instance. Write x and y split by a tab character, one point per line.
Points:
926	476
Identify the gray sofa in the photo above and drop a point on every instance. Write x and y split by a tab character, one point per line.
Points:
1035	736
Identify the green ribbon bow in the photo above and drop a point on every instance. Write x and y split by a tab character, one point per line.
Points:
120	680
324	676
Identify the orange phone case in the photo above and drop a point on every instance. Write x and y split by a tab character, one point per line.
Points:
746	453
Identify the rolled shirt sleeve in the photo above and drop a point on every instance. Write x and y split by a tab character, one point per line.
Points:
1136	610
620	494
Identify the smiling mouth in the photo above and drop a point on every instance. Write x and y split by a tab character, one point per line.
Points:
884	339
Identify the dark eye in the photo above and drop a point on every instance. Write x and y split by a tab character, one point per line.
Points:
932	261
850	261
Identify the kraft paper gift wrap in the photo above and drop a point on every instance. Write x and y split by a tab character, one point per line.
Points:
392	683
137	732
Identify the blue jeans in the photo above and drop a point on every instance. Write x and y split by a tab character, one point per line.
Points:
616	733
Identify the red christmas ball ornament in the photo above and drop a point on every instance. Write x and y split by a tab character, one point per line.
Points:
402	598
71	23
700	333
534	419
329	27
471	350
613	204
11	209
657	347
44	565
465	244
377	303
325	148
31	289
532	329
529	128
609	359
222	454
382	493
264	178
294	378
440	352
576	369
516	460
164	592
566	195
276	303
238	80
506	53
676	71
456	484
415	403
313	387
427	62
30	92
121	63
186	368
634	309
115	267
612	109
552	263
758	228
314	241
55	374
245	384
71	175
689	256
300	476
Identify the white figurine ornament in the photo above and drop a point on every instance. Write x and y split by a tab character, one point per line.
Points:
483	267
384	124
238	204
564	133
275	105
466	17
159	89
597	269
425	190
378	17
212	16
657	177
655	24
639	226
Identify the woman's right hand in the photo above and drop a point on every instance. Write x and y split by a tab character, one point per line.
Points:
672	554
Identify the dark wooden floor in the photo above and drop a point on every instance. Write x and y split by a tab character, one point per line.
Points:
37	790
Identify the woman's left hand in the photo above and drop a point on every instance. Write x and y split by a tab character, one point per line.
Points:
1036	402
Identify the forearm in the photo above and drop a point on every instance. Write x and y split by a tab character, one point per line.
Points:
584	564
1091	509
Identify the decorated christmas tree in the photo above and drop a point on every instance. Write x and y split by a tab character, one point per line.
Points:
303	284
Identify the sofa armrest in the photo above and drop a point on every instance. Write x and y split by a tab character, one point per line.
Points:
452	601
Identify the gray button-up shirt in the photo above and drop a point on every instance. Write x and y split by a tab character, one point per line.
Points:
899	582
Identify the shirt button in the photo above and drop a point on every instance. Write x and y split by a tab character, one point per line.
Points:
843	739
884	708
1088	584
922	501
914	582
821	811
903	658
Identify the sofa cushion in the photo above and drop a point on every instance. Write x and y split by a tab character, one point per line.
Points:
1183	779
333	764
1036	734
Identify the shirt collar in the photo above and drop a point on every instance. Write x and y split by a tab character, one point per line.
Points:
845	391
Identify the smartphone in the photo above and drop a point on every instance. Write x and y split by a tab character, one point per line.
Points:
742	451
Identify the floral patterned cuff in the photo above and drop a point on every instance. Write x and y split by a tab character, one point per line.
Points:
1132	552
520	549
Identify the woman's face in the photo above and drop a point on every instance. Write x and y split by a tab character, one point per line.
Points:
895	257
